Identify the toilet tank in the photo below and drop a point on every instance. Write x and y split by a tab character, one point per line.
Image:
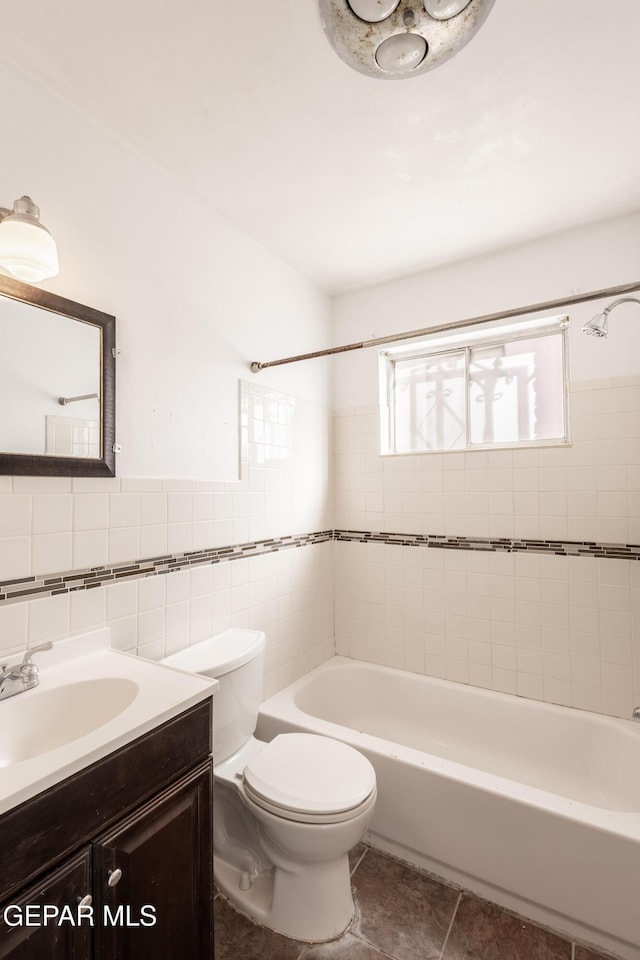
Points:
236	659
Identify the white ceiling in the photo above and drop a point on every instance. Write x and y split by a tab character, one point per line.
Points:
531	128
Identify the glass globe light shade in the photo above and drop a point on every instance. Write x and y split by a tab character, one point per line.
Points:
373	11
401	53
445	9
27	249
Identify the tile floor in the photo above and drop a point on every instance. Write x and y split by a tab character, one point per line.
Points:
401	914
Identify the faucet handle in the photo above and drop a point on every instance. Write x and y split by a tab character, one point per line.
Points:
26	661
28	669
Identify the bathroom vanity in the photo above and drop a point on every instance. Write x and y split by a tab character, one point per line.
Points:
133	833
106	809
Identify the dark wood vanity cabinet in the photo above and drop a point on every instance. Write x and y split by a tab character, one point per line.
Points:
134	833
60	888
162	899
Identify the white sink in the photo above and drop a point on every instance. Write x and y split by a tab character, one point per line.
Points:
91	700
43	720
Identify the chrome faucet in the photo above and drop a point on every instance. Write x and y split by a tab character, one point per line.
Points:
636	714
21	677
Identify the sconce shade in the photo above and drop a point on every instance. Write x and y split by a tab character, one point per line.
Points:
27	249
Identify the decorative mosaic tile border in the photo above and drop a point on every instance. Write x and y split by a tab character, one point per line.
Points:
30	588
562	548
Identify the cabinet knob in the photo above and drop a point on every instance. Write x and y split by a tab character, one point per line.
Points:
114	877
85	901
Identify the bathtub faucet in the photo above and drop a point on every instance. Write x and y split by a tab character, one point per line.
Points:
636	714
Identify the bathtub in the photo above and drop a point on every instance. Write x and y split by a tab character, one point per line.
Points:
533	806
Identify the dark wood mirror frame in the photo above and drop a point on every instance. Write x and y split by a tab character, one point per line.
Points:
51	466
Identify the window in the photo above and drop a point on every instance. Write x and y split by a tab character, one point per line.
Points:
498	387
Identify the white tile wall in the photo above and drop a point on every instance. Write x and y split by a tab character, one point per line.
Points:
53	525
586	491
550	628
561	629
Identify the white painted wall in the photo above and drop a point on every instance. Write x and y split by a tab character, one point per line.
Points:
195	298
589	258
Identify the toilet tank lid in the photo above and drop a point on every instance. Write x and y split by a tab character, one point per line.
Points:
221	653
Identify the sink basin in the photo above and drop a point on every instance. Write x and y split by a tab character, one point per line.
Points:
43	720
91	701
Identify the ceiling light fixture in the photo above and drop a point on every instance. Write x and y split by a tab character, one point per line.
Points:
598	326
392	39
27	249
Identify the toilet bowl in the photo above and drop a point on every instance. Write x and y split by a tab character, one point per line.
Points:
286	813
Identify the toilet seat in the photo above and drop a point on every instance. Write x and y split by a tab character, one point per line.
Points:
257	803
309	778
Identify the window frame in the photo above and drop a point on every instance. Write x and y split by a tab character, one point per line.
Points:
465	341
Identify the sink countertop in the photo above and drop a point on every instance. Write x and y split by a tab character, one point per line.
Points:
162	693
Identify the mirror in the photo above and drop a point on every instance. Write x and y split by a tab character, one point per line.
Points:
57	385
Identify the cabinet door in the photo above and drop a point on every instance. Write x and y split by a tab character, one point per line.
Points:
153	878
38	935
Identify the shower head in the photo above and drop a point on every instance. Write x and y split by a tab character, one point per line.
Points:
598	326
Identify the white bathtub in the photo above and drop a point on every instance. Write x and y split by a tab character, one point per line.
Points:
534	806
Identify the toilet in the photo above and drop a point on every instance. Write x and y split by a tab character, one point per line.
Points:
286	813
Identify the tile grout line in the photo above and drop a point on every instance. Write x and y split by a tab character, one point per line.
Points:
348	930
453	917
358	862
361	939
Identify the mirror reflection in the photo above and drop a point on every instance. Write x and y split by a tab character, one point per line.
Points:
49	383
57	385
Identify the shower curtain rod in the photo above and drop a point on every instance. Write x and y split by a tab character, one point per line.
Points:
456	325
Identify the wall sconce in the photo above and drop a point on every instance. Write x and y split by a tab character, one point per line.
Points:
27	249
